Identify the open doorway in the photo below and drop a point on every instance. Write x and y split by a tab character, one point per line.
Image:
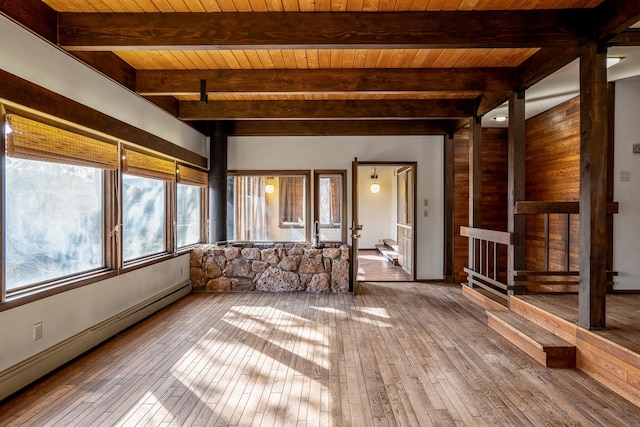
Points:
386	205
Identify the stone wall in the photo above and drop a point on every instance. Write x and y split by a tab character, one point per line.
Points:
270	267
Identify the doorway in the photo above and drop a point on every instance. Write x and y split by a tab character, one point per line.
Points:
386	206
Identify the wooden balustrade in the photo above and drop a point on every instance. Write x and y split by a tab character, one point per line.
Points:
488	259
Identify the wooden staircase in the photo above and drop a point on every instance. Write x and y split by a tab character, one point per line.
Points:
389	250
543	338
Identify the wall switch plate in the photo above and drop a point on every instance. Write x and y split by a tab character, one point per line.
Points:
636	148
37	331
625	176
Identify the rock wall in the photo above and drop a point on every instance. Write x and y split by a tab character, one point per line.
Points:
270	267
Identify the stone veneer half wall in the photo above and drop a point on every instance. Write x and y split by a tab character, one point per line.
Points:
270	267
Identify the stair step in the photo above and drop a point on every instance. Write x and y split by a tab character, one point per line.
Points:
483	298
545	347
388	254
391	244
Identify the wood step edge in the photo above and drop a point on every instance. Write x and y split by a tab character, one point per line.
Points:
482	300
567	330
536	335
557	355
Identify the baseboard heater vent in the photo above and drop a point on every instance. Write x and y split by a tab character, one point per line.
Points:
24	373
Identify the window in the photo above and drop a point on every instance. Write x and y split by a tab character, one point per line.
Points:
54	221
54	192
330	205
144	217
144	204
189	202
291	198
263	207
63	199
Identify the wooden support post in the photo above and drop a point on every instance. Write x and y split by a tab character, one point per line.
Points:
516	186
475	187
593	186
611	96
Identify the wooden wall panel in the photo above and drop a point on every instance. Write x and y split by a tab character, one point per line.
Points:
460	203
553	173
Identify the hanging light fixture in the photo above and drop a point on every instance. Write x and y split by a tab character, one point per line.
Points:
375	187
269	188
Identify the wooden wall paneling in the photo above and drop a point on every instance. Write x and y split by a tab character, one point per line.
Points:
553	173
460	202
593	187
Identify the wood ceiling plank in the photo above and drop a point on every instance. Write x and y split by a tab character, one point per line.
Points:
539	28
276	59
242	5
227	5
324	58
313	58
307	6
254	59
266	58
410	109
290	5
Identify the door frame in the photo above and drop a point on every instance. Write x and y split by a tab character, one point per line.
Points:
414	169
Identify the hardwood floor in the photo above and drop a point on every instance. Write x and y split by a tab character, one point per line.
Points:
374	267
403	354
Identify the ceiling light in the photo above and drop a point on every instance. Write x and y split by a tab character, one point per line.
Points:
613	60
500	118
269	188
375	187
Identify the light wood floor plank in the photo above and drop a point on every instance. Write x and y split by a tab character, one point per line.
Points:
398	354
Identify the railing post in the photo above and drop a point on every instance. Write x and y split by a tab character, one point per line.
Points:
516	187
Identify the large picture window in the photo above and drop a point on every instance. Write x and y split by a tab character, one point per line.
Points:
144	217
268	207
54	221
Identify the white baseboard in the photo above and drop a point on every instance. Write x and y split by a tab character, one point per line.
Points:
24	373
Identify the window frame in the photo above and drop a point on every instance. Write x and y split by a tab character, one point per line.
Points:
276	173
317	174
111	219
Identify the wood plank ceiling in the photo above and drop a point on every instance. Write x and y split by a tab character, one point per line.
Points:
439	60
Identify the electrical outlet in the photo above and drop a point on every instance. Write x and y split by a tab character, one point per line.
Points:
426	213
636	148
180	271
625	176
37	331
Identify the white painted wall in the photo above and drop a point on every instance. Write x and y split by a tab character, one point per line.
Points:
375	209
626	224
336	152
28	56
68	313
65	314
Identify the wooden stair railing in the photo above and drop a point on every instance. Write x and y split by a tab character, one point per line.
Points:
487	261
547	277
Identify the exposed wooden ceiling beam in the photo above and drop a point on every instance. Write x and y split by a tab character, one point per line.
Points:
443	29
613	17
543	64
187	82
630	37
33	14
111	65
490	101
360	109
338	127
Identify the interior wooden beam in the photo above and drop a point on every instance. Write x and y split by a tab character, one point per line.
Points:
613	17
187	82
24	93
630	37
490	101
353	109
441	29
542	64
33	14
337	127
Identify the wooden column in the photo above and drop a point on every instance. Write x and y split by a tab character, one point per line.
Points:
516	185
218	182
475	184
449	193
593	187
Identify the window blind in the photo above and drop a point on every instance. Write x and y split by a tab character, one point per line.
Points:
191	176
141	164
32	140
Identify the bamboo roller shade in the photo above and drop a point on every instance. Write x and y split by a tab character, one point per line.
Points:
141	164
29	139
190	176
